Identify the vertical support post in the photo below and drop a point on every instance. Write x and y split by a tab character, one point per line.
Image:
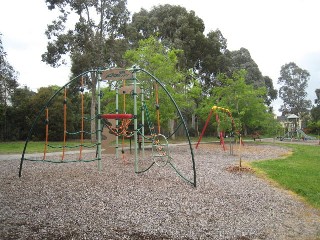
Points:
117	120
142	120
157	107
231	145
135	122
82	119
240	156
47	134
99	130
64	122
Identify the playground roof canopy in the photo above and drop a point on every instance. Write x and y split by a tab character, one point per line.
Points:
292	116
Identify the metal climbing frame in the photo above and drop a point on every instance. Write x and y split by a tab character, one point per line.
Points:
160	146
160	141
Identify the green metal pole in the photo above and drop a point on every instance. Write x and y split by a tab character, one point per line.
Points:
117	121
142	119
99	122
135	121
194	183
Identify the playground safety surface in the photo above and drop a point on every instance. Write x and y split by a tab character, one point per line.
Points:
76	201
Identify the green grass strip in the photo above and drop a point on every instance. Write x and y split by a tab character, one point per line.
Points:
299	172
37	147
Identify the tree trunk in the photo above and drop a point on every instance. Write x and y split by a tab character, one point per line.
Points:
193	121
171	128
245	130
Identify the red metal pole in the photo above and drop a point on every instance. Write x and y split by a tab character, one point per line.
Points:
205	126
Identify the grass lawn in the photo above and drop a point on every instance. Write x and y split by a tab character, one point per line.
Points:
299	172
13	147
34	147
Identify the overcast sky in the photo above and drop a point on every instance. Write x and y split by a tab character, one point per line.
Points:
275	32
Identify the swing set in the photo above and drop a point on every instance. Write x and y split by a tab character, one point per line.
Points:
160	154
217	110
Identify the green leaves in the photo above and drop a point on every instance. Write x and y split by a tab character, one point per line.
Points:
88	37
245	102
293	81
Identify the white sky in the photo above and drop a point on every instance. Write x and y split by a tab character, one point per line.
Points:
275	32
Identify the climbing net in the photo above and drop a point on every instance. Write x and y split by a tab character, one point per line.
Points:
65	133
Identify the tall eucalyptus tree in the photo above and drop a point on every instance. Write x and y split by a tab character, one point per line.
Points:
8	84
99	23
294	81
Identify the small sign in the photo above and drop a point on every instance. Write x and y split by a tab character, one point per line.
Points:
129	90
116	74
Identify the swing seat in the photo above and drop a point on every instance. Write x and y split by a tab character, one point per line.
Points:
116	116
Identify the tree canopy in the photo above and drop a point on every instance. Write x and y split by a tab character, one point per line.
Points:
294	81
98	21
8	85
245	102
170	42
101	24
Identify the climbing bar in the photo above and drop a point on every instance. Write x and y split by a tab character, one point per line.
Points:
74	146
78	132
116	116
151	126
62	161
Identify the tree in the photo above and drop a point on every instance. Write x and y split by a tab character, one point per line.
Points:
35	102
315	113
8	84
21	115
100	23
314	124
272	93
245	102
317	101
210	58
174	26
161	62
241	59
294	81
178	28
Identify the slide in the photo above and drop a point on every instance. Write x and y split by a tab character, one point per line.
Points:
304	135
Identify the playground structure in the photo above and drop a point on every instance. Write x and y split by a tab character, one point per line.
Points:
292	129
139	90
216	110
